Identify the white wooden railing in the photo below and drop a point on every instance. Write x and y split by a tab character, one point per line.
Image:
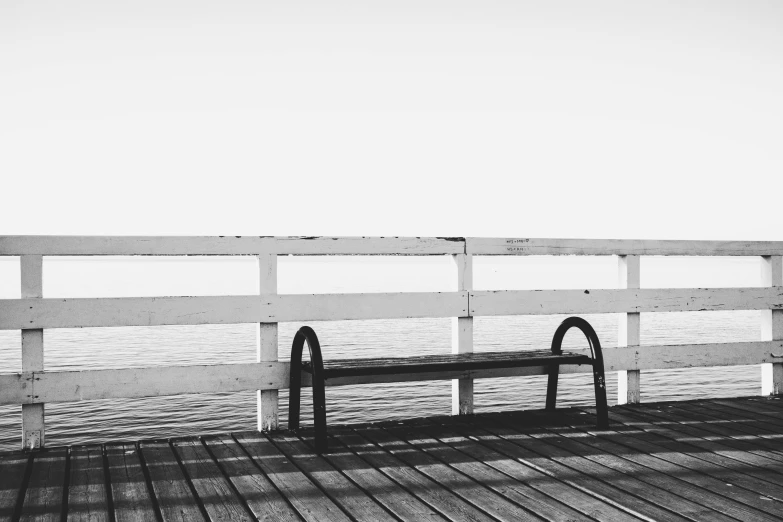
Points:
33	386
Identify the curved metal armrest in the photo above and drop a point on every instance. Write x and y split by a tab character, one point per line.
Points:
307	334
598	367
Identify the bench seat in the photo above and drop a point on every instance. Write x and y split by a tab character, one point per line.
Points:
443	363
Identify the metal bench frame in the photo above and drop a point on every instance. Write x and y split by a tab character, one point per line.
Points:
458	361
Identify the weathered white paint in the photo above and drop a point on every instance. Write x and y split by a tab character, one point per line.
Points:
330	307
619	247
462	339
629	331
542	302
18	314
225	245
40	387
16	388
396	246
267	343
27	388
665	357
31	272
772	326
298	245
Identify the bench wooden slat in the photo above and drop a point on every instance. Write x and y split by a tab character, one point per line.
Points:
474	356
447	362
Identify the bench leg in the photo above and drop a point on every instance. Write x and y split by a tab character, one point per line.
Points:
307	334
295	385
551	387
599	380
319	411
601	409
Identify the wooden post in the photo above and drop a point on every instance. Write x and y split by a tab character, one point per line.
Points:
772	326
462	339
32	353
629	331
267	343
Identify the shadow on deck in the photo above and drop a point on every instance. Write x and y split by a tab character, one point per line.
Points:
711	460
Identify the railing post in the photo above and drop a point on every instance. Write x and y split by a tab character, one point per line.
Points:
772	326
267	343
629	331
462	339
32	353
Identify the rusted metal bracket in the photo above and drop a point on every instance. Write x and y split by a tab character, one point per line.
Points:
33	439
28	385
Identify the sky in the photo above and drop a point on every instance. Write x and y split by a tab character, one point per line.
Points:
602	119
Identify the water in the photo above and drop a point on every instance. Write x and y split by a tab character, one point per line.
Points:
93	348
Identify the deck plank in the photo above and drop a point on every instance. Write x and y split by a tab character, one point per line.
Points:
341	490
544	490
399	501
309	501
741	486
750	413
638	479
12	472
212	488
709	449
689	482
730	442
708	459
425	489
425	438
131	497
764	435
458	483
762	428
169	485
635	479
260	495
610	491
87	500
775	402
43	499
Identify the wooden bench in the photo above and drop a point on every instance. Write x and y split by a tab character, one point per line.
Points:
322	371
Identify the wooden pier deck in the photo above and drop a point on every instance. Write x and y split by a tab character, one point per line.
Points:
707	460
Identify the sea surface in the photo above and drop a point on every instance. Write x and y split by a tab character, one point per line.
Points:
158	417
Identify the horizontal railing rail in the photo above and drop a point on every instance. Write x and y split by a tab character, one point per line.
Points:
619	247
130	383
16	314
227	246
403	246
32	313
21	314
635	300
